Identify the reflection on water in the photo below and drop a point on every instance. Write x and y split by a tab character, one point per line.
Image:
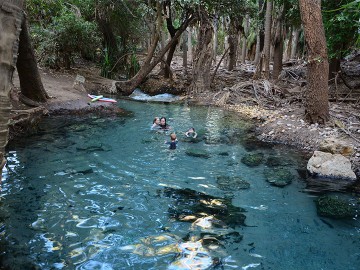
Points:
108	194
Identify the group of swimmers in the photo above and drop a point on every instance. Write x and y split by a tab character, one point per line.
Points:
160	124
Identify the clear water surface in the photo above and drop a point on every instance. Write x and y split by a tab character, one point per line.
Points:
100	193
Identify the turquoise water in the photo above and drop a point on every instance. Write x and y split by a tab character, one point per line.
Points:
108	194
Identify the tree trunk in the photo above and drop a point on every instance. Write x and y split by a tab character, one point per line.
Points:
278	45
190	46
295	41
316	98
11	15
244	39
288	46
257	50
216	22
29	76
185	50
203	55
126	87
266	51
233	43
172	31
260	41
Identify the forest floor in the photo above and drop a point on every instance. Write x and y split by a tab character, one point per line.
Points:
277	108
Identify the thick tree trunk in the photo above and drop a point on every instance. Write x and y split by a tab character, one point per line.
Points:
203	55
232	51
126	87
233	43
278	45
266	52
244	39
30	80
260	42
11	15
316	100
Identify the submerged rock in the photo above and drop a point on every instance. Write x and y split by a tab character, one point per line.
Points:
329	165
335	207
279	177
94	148
197	153
274	161
190	206
228	183
253	160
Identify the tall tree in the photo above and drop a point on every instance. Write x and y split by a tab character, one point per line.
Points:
266	52
316	101
172	31
203	54
126	87
278	43
30	80
11	15
234	31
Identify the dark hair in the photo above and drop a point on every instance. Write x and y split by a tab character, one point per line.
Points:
156	118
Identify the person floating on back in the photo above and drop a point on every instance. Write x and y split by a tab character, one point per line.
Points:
173	141
191	133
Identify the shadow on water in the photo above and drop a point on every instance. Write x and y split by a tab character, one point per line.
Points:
20	207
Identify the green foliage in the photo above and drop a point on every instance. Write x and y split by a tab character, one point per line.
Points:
43	11
133	66
106	65
66	36
342	24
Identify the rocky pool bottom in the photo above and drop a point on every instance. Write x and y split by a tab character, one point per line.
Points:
95	193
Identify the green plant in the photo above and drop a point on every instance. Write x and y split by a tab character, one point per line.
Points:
106	65
66	36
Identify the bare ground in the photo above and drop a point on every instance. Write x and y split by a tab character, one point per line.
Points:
278	109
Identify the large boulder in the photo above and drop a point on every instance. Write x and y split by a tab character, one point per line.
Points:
330	165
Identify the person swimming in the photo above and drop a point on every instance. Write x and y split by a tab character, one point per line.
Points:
156	123
191	133
173	141
163	125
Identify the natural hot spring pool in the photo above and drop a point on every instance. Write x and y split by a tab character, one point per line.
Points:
108	194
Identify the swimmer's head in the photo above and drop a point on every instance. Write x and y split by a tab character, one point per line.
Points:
163	121
173	136
156	120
